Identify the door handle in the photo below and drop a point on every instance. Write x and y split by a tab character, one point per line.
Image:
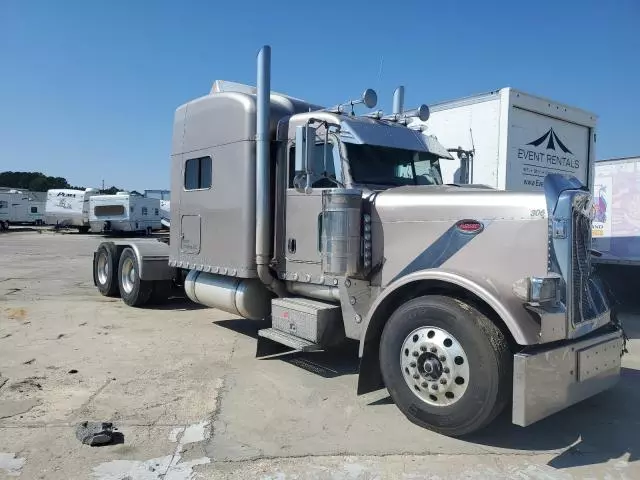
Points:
291	245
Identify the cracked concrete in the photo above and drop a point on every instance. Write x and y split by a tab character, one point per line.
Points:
183	386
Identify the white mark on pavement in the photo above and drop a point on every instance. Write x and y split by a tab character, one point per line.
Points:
10	464
169	467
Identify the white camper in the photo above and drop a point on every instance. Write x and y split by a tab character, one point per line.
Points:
512	140
20	207
165	212
124	212
69	208
616	223
165	204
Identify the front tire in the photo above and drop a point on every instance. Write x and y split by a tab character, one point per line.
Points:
134	291
105	269
446	365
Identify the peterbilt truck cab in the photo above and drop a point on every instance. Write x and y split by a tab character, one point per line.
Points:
325	225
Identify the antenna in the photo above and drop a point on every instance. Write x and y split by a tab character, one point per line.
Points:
380	71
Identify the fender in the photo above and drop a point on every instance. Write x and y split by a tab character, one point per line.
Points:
524	329
152	258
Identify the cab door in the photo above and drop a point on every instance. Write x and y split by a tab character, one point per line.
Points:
303	254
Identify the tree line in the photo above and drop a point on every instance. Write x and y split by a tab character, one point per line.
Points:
39	182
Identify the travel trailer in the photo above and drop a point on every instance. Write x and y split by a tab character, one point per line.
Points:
511	140
69	208
165	204
327	225
20	207
124	212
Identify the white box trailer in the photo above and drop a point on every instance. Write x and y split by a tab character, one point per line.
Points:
21	207
516	139
616	223
69	208
124	212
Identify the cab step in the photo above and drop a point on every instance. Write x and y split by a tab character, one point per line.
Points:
271	341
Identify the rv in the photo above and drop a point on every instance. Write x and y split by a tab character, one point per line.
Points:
20	207
69	208
511	140
124	212
165	204
327	226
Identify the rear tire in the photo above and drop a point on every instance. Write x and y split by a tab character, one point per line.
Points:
134	291
83	229
464	380
105	269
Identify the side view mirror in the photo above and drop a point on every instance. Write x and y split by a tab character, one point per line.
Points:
305	143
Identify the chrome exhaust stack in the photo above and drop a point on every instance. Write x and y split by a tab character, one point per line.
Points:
263	185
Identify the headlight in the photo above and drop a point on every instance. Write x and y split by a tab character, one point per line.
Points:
537	289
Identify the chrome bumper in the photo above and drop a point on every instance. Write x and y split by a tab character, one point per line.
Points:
547	380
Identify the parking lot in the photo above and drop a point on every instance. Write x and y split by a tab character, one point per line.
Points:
183	387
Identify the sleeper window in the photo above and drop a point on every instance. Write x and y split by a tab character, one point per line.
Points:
197	173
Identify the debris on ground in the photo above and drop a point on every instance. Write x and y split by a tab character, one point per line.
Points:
72	371
96	433
28	385
29	362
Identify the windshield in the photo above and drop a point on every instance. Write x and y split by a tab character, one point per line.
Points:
392	166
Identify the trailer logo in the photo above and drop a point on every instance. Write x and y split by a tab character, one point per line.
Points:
546	154
552	139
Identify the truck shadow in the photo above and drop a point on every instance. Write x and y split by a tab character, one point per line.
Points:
335	362
594	431
175	303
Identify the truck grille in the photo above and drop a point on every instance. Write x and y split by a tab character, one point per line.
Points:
584	304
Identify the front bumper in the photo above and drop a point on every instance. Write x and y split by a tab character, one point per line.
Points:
547	379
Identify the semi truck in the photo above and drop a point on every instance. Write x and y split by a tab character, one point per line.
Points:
510	140
328	225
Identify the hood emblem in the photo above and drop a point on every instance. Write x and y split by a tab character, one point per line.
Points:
469	226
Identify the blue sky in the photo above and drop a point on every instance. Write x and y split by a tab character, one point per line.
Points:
88	88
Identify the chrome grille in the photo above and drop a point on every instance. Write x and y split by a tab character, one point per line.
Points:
583	303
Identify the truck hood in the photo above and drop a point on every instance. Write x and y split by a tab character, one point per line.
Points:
417	228
449	202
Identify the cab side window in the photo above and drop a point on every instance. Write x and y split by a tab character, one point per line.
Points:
317	167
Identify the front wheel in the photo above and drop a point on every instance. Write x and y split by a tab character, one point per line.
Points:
446	365
134	291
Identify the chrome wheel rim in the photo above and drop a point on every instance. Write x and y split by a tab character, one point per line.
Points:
434	366
127	276
103	268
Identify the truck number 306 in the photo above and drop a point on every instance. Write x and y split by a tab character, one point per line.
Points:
538	212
